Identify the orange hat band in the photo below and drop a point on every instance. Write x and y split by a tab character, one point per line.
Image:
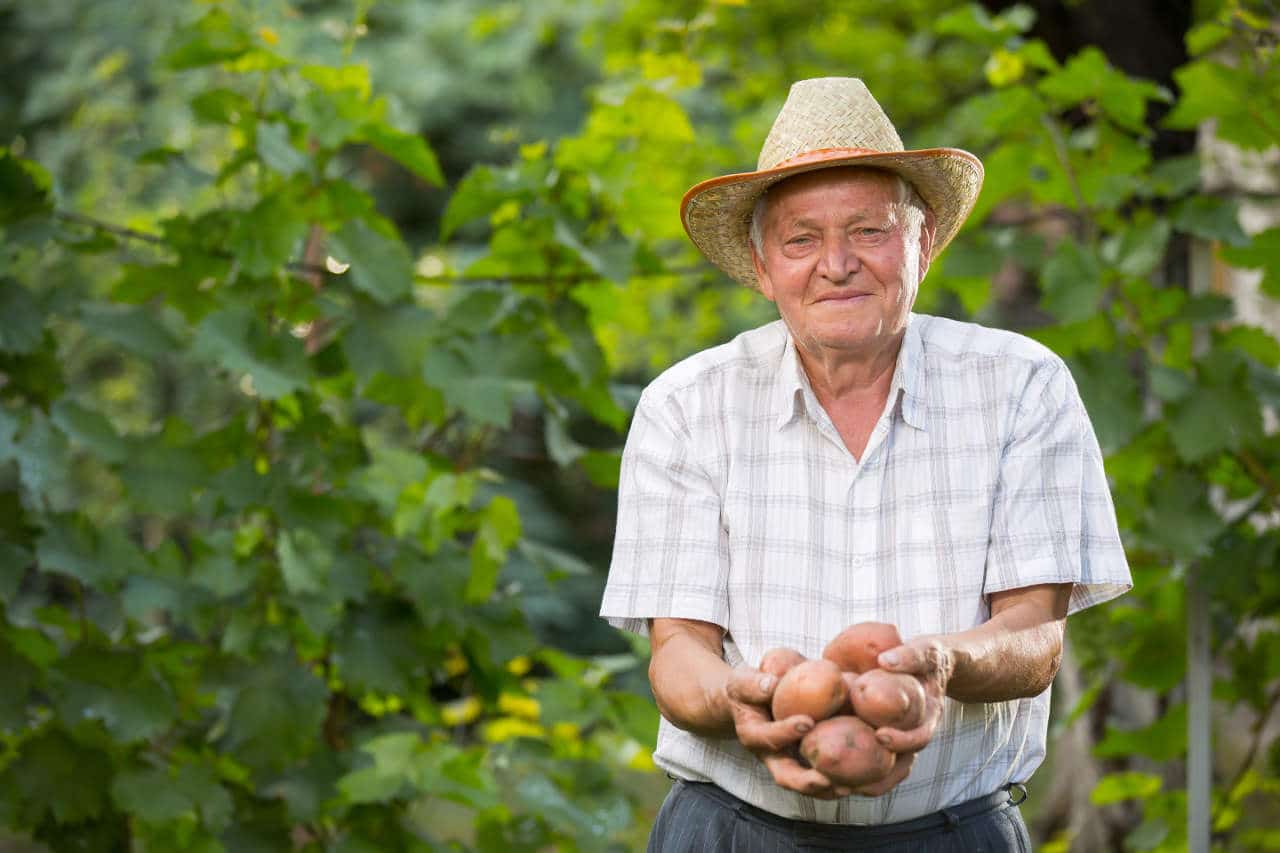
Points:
823	154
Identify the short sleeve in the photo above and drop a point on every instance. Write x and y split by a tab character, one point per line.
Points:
1053	520
670	557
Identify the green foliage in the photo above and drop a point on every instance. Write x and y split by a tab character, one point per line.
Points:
1175	389
259	565
277	565
1262	253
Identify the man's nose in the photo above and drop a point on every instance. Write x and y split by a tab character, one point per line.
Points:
838	261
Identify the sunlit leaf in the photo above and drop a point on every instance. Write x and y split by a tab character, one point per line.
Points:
1163	740
56	776
24	189
1211	219
1071	282
1262	252
379	650
136	329
277	151
151	795
476	195
407	149
1137	250
267	236
275	713
499	530
305	561
1223	413
115	689
214	38
1117	787
90	430
1110	394
238	342
1088	74
1180	517
1205	36
23	326
379	265
221	106
1230	96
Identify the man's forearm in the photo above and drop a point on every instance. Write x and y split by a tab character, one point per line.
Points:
688	675
1015	654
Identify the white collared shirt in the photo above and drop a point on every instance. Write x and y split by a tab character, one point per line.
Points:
740	505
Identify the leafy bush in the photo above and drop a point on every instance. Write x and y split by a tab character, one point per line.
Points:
279	564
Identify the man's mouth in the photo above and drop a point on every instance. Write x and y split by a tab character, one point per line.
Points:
842	296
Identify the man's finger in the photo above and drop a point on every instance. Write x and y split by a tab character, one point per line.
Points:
911	740
901	769
789	773
904	659
751	686
760	734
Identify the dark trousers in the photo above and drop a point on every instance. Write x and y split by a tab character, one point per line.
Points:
697	817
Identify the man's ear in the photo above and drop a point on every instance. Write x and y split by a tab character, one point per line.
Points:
762	277
928	233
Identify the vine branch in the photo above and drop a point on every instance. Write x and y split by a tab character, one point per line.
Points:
1259	472
1257	735
315	272
1064	160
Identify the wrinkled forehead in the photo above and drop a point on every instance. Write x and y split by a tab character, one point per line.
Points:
868	190
868	179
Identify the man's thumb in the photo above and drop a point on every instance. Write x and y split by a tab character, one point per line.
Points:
891	659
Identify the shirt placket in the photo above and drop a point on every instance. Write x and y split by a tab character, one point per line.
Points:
862	531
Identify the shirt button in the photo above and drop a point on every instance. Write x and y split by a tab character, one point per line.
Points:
858	560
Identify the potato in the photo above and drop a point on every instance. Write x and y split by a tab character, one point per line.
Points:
883	698
776	662
845	750
813	688
856	648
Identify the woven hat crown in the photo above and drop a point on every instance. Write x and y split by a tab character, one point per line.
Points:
827	112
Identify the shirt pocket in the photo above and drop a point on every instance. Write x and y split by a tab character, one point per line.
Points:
939	565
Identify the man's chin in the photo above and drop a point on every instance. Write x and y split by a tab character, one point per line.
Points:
867	338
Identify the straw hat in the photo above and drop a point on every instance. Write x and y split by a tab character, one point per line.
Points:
826	122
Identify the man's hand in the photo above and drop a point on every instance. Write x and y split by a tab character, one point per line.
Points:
1013	654
931	661
698	692
750	693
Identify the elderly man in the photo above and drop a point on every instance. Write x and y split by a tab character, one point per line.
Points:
854	462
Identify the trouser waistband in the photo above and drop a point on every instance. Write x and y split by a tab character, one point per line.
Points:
948	818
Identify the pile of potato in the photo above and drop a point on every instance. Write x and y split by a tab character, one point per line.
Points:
842	744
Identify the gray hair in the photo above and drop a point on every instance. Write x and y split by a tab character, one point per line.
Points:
909	206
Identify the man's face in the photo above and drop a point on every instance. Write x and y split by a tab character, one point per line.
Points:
839	261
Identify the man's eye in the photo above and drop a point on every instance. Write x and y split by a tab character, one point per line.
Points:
799	241
870	232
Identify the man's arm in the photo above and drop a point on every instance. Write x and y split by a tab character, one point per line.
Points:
1016	653
1012	655
689	676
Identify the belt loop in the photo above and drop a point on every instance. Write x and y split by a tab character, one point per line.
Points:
1015	788
953	820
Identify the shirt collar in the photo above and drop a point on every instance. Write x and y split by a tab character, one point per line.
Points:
794	395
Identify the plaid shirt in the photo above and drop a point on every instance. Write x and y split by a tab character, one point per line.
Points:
739	504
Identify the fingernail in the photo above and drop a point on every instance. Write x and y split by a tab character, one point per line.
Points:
766	683
884	740
803	727
889	658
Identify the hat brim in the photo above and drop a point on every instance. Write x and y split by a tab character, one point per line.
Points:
717	213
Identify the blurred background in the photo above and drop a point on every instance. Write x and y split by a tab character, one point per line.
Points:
321	324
